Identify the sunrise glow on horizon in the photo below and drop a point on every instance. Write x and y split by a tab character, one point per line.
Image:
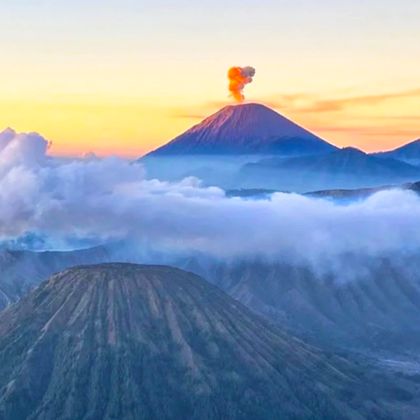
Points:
144	73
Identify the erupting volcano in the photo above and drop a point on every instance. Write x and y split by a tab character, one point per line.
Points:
245	129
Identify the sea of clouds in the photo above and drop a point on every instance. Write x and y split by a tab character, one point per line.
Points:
110	199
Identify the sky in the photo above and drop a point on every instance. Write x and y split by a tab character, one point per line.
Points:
124	76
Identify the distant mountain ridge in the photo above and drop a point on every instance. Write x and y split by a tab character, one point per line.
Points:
343	168
245	129
23	270
362	193
409	153
377	310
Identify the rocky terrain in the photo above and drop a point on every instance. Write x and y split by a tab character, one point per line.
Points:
123	341
361	304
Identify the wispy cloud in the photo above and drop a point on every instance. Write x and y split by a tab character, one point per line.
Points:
307	103
370	122
370	131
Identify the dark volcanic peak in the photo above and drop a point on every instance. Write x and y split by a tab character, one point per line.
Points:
245	129
151	342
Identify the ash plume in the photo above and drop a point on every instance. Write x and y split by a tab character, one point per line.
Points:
239	77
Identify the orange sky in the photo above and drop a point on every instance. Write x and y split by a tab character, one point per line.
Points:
122	77
130	128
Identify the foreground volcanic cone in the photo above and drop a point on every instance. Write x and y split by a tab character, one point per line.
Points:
121	341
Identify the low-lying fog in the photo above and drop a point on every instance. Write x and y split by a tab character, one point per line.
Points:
63	203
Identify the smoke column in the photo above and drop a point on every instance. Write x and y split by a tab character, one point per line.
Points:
238	78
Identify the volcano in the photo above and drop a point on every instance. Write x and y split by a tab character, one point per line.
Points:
242	130
152	342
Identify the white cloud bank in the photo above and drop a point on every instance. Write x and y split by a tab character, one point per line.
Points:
110	199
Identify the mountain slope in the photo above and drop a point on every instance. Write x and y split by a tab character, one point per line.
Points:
152	342
367	304
245	129
409	153
345	168
20	271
